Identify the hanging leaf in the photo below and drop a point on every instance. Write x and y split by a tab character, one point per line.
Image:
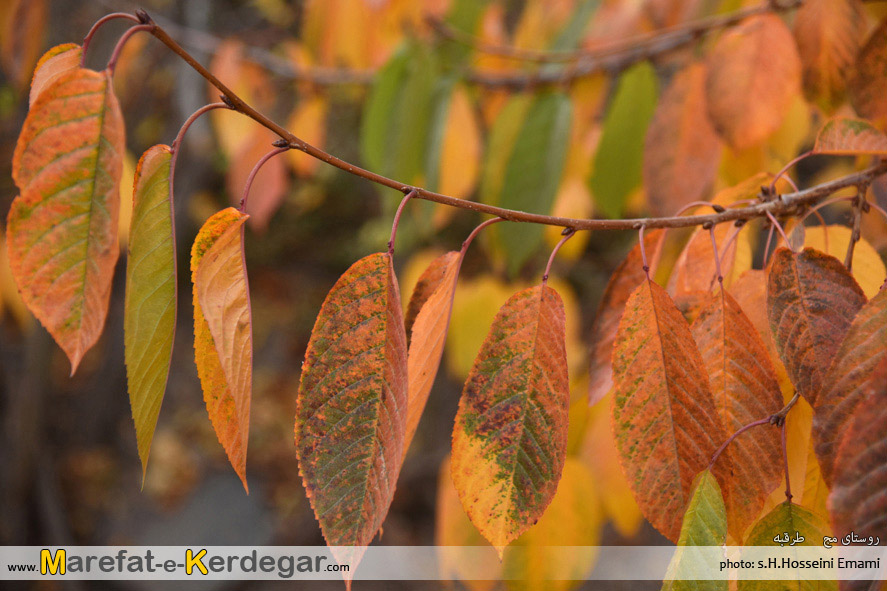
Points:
454	144
510	436
54	63
851	376
704	524
62	228
811	301
619	158
829	34
681	149
868	85
850	137
627	276
664	417
868	268
149	317
754	74
352	403
745	389
433	297
223	348
858	501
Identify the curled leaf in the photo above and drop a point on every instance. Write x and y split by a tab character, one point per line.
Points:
54	63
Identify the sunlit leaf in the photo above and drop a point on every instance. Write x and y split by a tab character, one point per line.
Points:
223	347
149	317
868	268
510	436
868	85
811	301
62	228
53	64
664	417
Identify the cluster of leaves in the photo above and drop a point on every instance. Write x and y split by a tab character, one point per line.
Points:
682	368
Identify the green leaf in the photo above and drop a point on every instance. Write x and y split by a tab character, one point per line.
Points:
619	159
149	317
500	145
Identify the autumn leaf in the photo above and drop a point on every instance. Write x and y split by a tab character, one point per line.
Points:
811	301
753	74
682	149
308	120
149	317
627	276
223	348
351	410
745	390
54	63
850	379
433	301
664	417
868	85
850	137
867	268
62	228
455	145
510	436
829	34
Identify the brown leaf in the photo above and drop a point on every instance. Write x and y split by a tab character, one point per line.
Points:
850	137
664	418
745	390
510	436
753	74
868	87
430	279
829	34
811	301
849	380
682	149
627	276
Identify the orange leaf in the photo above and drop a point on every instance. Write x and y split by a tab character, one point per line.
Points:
510	436
223	342
869	85
21	38
753	74
745	389
750	292
432	301
308	120
62	229
850	137
811	301
849	379
858	501
352	403
682	149
53	64
828	33
624	280
664	418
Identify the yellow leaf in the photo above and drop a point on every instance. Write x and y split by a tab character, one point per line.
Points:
126	182
462	145
474	308
868	268
308	121
573	201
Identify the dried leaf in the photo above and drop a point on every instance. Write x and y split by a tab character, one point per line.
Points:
223	348
745	389
868	86
62	229
753	74
433	297
627	276
54	63
850	137
682	149
829	34
664	417
352	403
811	301
149	317
510	436
850	378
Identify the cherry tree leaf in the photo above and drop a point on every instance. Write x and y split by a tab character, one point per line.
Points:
627	276
868	85
850	137
223	342
149	317
664	418
745	389
682	149
352	403
62	228
811	301
54	63
753	74
510	436
849	380
433	297
829	34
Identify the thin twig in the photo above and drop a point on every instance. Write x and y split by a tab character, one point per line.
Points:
396	221
115	55
467	242
788	480
859	205
730	439
255	171
98	24
568	233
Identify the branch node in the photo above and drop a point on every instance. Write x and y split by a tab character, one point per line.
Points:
740	222
718	208
143	17
225	99
707	225
280	143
